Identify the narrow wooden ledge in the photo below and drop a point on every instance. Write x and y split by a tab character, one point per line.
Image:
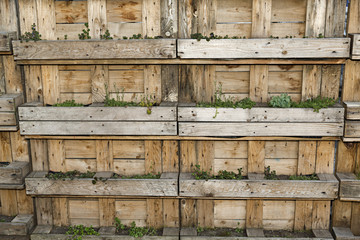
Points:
257	187
8	111
349	187
342	233
21	225
13	175
352	123
95	49
264	48
5	42
167	186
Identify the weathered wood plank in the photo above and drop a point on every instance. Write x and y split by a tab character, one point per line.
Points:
351	86
261	18
263	48
343	233
315	18
5	42
355	46
14	173
101	236
349	187
164	187
92	49
21	225
257	188
352	129
352	110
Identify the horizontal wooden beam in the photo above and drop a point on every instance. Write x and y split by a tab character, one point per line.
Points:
265	48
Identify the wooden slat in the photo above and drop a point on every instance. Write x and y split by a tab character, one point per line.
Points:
315	18
152	76
99	81
169	18
104	155
56	50
106	211
14	173
33	83
51	84
24	202
341	214
261	18
60	211
153	161
256	156
131	210
154	213
259	83
352	129
321	214
8	18
27	16
355	218
188	212
44	211
84	212
205	155
307	157
205	213
39	155
151	18
5	147
346	157
46	19
70	12
8	202
311	84
335	18
170	156
303	213
349	187
330	81
13	77
254	213
279	215
96	17
19	147
353	17
5	41
171	212
351	86
325	154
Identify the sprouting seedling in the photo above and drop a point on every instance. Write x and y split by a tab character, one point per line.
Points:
85	33
106	35
34	35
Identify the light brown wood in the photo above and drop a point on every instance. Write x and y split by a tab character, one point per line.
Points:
315	18
349	187
97	17
5	41
341	216
205	213
303	214
104	155
351	86
188	212
261	18
355	218
346	157
325	154
353	17
44	211
60	211
321	214
256	156
154	216
259	83
254	214
307	157
153	157
56	151
107	211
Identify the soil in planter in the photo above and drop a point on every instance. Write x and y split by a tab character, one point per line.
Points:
71	174
63	230
4	218
126	231
221	232
145	176
4	164
289	234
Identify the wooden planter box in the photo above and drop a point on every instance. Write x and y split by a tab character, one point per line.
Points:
21	225
257	187
166	186
260	121
349	187
355	46
258	233
352	122
95	49
8	111
265	48
13	175
342	233
5	42
42	232
97	121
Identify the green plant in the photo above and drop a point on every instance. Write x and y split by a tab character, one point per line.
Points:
321	35
199	36
282	101
85	33
118	225
200	229
68	103
201	174
270	175
138	232
144	176
358	176
69	174
315	103
222	174
106	35
304	177
238	229
34	35
65	37
78	231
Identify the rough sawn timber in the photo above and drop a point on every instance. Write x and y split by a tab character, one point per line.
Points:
8	111
95	49
21	225
13	175
5	42
265	48
355	46
349	187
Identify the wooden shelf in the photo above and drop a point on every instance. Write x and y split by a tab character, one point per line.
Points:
13	175
5	42
349	187
8	111
21	225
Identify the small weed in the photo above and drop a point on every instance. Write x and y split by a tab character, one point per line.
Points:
222	174
118	225
85	33
358	176
145	176
71	174
321	35
34	35
65	37
282	101
304	177
270	175
106	35
199	36
68	103
200	229
78	231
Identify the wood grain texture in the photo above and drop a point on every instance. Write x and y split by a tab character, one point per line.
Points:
5	41
353	17
14	173
351	84
315	18
263	48
349	187
261	18
92	49
21	225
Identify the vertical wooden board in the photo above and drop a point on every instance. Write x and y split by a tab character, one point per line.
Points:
307	157
230	213
169	18
311	84
19	147
355	218
315	18
51	84
353	17
5	147
169	83
205	155
205	213
104	155
99	82
24	203
341	214
33	83
357	160
256	156
185	18
56	151
39	155
330	81
13	81
153	161
186	85
27	15
9	205
303	214
208	85
321	214
60	211
170	156
206	16
187	156
2	75
106	211
254	213
44	211
84	212
151	18
188	213
97	17
261	18
351	84
8	16
131	210
335	18
259	77
325	157
346	155
46	19
152	76
154	213
171	212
